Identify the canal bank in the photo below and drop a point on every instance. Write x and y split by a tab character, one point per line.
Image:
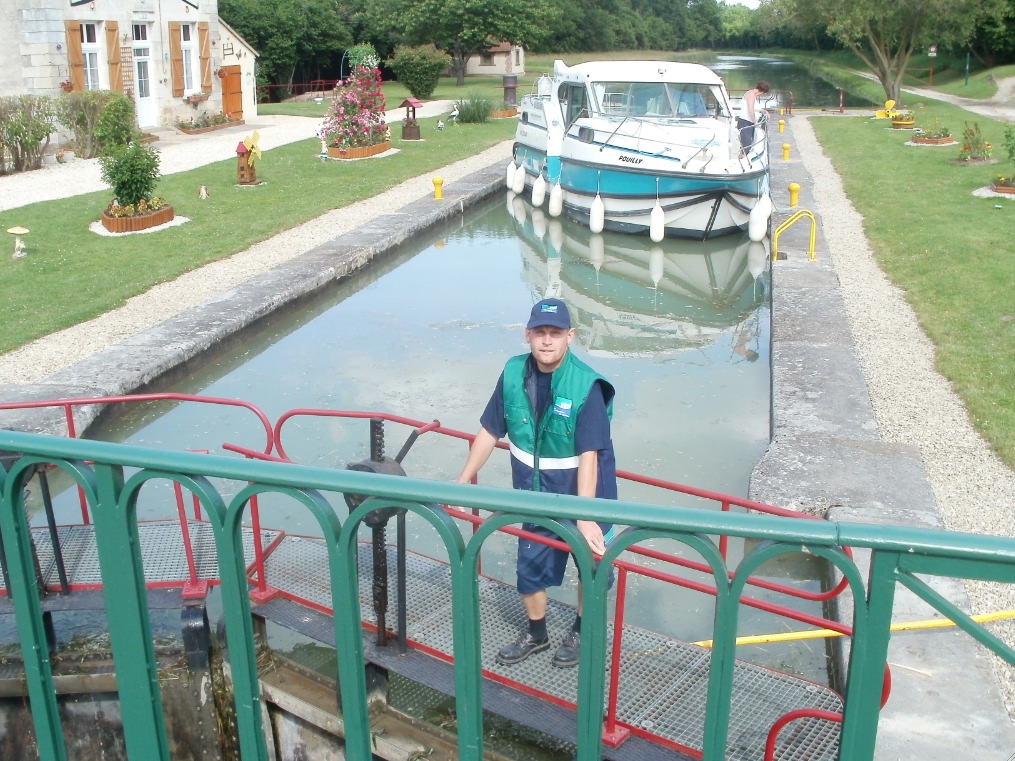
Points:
827	454
831	454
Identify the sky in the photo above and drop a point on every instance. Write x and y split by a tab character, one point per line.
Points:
748	3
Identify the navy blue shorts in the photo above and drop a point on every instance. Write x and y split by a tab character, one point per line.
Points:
541	566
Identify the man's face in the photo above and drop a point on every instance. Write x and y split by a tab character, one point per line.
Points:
549	345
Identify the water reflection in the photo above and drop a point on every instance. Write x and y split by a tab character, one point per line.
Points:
631	297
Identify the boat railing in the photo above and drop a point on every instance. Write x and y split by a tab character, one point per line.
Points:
698	148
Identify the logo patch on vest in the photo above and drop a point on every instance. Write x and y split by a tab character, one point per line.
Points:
562	406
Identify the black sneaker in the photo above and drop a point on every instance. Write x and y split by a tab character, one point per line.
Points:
567	654
522	648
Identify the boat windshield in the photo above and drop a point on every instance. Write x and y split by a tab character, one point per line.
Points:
666	99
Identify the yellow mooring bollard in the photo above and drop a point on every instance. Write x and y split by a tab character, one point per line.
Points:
794	194
785	151
438	188
782	126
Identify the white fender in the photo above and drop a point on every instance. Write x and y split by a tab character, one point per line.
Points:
757	257
556	235
538	191
509	175
538	223
656	262
556	205
510	198
757	224
657	223
519	210
597	215
597	251
519	180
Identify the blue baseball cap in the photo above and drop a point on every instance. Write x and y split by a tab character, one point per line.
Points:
552	312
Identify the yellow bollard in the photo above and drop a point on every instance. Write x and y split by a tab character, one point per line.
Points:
794	194
782	112
782	125
785	151
438	188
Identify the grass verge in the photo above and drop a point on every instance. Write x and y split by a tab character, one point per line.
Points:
948	250
71	274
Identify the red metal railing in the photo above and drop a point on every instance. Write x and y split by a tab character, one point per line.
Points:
614	731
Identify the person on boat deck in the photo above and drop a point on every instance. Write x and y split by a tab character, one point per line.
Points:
748	115
556	412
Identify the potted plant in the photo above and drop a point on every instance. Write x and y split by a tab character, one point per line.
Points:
1004	182
67	85
974	147
133	172
903	120
504	110
934	134
354	125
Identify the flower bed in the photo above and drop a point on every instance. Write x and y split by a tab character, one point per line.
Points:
923	140
138	222
209	128
335	152
1007	189
504	113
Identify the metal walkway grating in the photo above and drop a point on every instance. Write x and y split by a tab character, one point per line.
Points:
162	552
663	681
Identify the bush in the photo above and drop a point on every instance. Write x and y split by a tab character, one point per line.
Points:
25	124
419	68
476	109
80	112
132	172
363	54
117	124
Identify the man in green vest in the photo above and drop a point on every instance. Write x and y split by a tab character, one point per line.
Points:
555	410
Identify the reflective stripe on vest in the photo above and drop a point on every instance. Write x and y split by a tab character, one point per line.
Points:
545	463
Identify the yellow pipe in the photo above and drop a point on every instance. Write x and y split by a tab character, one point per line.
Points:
932	623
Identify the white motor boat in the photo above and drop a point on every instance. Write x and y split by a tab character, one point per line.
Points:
641	147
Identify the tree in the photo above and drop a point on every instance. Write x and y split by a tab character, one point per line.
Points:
463	28
884	35
290	36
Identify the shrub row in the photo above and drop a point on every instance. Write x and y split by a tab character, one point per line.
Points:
100	121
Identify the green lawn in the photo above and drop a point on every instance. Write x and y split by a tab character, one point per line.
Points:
949	251
71	274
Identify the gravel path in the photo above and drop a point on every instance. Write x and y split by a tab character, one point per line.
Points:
913	403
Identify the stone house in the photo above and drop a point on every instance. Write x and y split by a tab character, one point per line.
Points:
501	59
175	58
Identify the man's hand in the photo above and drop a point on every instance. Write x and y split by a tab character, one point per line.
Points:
593	535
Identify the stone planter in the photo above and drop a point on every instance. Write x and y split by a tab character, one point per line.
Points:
139	221
358	153
934	140
1006	189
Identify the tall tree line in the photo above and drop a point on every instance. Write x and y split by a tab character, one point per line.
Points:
304	40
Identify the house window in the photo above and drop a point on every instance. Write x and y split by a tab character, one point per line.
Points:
518	56
486	59
90	56
142	61
188	48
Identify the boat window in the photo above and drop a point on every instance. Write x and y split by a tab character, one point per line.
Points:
573	102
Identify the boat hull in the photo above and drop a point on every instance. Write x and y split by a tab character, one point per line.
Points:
694	206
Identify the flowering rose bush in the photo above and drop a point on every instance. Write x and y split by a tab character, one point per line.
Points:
355	118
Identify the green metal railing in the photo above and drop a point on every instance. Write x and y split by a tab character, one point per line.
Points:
101	471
